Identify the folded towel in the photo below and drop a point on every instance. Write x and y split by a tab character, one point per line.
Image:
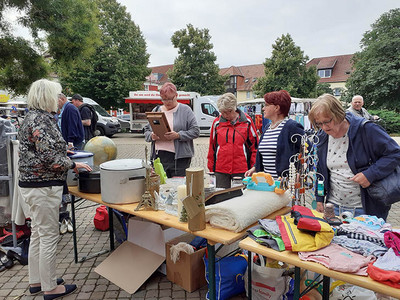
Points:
240	212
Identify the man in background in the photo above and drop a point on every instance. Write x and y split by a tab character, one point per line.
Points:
86	115
69	122
357	109
70	125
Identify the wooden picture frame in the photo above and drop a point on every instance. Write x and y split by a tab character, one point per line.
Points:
158	122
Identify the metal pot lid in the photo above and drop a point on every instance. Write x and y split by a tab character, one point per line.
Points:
81	154
122	165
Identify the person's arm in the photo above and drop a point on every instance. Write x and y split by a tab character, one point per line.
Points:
188	120
384	148
74	126
47	148
254	142
86	116
211	147
149	135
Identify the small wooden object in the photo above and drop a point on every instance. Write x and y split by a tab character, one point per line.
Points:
194	203
159	123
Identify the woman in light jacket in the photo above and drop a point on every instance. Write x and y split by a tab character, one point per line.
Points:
175	149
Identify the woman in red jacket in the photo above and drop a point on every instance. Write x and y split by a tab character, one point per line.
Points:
233	142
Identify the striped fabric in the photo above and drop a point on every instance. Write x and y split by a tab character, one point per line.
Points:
267	149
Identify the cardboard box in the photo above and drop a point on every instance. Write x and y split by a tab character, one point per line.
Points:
133	262
189	271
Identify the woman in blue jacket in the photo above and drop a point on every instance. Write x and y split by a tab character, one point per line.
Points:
344	161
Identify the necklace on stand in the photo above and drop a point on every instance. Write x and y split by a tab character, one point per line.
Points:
273	126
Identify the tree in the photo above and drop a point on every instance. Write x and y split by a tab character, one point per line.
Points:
377	66
118	65
20	65
286	70
323	88
194	68
64	30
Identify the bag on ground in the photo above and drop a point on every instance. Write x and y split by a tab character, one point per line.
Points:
229	272
266	282
101	218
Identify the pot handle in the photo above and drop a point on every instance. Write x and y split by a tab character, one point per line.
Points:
125	180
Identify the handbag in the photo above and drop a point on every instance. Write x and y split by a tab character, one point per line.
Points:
386	190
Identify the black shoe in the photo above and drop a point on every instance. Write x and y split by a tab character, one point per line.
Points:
5	261
69	288
37	289
11	254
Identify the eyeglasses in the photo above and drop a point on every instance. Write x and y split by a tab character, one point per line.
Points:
320	124
168	99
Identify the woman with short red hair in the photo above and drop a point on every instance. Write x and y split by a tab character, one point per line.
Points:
276	147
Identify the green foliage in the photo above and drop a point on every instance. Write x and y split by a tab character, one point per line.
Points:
118	65
323	88
20	65
390	120
377	65
65	30
286	70
194	68
71	27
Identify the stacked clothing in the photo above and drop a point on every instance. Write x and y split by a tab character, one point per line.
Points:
386	268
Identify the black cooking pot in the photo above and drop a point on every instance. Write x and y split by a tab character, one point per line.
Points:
89	182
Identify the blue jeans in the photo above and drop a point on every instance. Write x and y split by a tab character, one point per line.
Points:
357	211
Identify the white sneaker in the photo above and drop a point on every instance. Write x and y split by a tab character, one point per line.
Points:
64	226
69	225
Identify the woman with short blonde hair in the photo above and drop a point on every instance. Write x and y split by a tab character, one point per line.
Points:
43	166
233	142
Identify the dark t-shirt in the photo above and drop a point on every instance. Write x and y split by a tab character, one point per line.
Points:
86	114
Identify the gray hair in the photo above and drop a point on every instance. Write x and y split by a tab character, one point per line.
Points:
43	94
227	102
357	96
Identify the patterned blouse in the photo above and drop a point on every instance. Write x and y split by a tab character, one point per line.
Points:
43	157
343	191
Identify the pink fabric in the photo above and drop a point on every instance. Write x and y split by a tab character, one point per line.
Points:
337	258
392	240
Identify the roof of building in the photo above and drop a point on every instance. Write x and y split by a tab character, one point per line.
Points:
250	74
341	66
162	70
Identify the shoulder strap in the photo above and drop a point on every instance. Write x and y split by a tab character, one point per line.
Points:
365	142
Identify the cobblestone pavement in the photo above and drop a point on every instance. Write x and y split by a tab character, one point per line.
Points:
14	282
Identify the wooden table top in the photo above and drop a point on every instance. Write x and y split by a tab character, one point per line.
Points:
212	234
292	258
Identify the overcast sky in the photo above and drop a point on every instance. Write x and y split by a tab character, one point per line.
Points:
243	31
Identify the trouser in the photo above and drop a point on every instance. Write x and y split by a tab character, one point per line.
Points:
353	210
43	206
223	180
173	167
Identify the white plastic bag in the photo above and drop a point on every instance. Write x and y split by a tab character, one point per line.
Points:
348	291
267	283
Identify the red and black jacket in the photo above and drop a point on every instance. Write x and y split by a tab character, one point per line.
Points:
232	148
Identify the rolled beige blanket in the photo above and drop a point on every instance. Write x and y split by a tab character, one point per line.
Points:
238	213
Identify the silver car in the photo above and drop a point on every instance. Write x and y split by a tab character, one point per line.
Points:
124	121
